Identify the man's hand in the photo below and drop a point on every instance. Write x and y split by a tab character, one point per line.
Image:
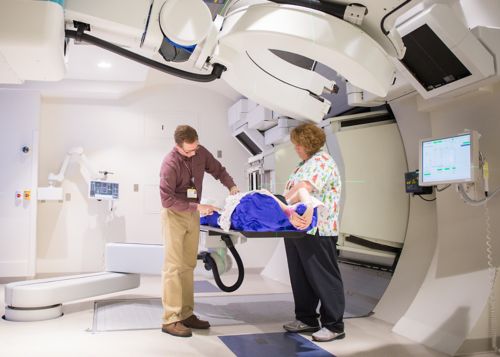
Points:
234	190
206	209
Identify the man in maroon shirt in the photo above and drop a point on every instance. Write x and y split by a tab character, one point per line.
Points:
181	179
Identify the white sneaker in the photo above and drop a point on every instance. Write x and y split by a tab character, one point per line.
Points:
299	326
325	335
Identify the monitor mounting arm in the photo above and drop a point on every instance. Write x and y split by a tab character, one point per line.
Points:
77	154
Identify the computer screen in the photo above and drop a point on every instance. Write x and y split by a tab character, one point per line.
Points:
103	190
448	160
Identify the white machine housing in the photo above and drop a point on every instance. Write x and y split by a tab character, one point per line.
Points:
435	35
125	28
42	299
237	113
251	140
261	118
249	33
31	42
246	119
280	133
251	122
259	130
261	171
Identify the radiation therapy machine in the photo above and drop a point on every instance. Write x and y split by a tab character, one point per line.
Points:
376	47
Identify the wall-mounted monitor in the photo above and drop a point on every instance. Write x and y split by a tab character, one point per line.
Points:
451	159
104	190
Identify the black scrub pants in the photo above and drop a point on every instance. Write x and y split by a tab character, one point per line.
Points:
315	277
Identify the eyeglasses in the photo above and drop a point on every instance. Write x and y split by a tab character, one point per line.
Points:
187	152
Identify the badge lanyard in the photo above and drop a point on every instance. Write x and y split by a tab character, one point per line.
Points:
191	191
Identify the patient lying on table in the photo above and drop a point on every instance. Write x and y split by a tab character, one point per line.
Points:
261	211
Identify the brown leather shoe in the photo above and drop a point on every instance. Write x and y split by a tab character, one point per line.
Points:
177	329
194	322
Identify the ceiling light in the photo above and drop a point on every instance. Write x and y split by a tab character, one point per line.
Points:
104	64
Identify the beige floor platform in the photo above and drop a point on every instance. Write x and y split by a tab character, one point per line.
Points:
71	334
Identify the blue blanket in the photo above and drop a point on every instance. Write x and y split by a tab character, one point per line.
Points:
259	213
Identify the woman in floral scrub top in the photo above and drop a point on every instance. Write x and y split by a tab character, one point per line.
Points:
312	261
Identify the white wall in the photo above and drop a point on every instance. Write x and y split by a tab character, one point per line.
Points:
19	119
125	137
449	306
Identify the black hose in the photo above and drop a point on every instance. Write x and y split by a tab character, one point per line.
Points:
382	22
211	264
328	8
217	71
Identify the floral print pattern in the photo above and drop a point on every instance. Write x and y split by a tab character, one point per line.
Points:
321	171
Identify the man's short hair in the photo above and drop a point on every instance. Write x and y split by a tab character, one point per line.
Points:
185	134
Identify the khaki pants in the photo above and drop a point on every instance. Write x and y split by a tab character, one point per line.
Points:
181	232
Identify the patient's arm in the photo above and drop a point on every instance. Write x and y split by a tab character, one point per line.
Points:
295	219
293	196
302	194
283	206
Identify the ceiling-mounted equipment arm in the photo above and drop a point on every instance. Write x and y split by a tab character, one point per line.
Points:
84	162
60	176
217	70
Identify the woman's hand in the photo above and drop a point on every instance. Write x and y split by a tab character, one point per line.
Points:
308	215
298	221
304	221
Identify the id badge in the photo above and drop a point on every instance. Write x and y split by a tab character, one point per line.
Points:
191	193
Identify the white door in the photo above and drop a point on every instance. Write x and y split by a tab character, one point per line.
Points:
19	118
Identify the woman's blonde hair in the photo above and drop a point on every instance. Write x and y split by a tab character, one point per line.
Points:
309	136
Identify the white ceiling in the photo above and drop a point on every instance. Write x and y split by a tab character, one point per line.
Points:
92	72
88	62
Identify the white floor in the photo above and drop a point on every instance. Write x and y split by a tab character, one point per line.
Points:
70	336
